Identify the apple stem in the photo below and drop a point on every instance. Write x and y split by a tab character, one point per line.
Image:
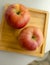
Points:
18	12
33	37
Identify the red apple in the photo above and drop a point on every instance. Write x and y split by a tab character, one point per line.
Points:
31	38
17	15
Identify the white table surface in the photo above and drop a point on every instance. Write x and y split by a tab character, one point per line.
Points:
8	58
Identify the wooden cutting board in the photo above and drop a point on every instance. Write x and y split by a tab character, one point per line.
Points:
9	36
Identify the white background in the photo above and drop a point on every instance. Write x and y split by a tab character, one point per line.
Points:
8	58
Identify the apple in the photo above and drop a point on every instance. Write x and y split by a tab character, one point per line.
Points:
30	38
17	15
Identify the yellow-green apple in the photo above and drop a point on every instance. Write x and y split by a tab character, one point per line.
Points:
31	38
17	15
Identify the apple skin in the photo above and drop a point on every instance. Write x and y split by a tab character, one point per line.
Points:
17	15
26	39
